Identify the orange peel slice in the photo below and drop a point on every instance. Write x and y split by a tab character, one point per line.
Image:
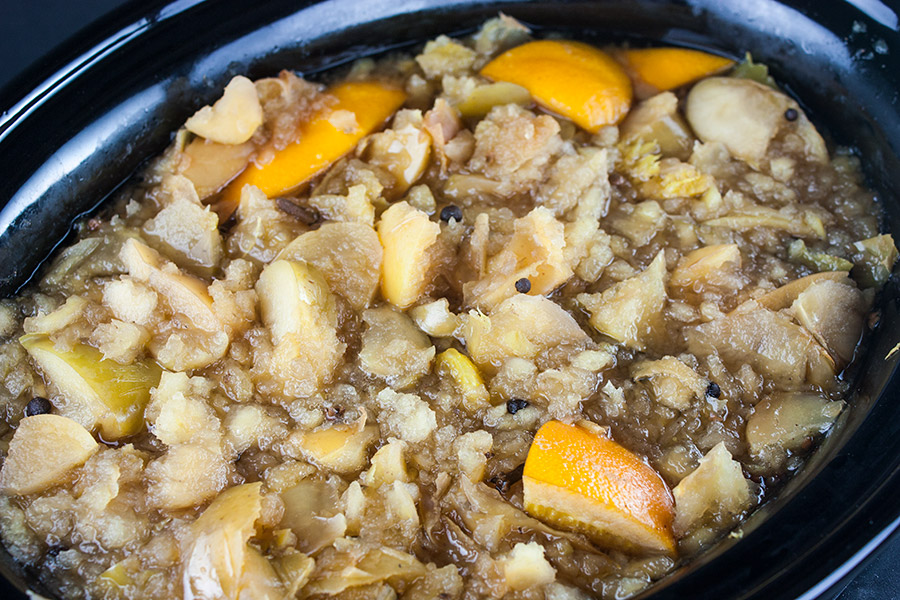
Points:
322	139
578	479
669	68
573	79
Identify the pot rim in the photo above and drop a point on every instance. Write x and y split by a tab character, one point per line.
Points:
131	23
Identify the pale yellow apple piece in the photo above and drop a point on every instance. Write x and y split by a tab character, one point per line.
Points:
96	392
522	326
299	310
43	451
234	118
349	256
535	252
340	448
407	235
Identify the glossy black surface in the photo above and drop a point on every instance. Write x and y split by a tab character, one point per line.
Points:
88	132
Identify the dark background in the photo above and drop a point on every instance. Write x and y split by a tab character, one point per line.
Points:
30	28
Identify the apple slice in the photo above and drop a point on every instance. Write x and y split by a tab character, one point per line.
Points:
96	392
407	235
43	450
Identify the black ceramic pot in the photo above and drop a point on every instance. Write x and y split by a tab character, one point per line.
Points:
120	89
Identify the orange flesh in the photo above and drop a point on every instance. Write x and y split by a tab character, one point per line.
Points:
320	141
573	79
669	68
592	481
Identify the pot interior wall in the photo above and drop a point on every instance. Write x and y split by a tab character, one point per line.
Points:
74	146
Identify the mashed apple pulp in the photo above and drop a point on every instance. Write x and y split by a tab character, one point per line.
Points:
567	317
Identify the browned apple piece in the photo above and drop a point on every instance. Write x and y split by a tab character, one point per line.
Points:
212	165
784	422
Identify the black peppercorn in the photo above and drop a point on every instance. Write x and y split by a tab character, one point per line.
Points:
523	286
514	405
451	211
713	390
791	114
37	406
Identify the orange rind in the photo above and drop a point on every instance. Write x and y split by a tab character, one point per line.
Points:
669	68
573	79
359	107
576	478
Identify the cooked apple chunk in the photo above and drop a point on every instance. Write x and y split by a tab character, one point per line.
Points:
746	117
185	294
525	567
535	253
834	313
631	312
43	450
403	150
769	342
211	165
522	326
188	232
216	548
710	265
784	422
393	348
717	485
657	118
348	255
674	384
340	448
234	118
299	311
435	318
407	235
185	476
96	392
785	295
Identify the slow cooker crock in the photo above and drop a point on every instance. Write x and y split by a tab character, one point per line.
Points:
119	90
